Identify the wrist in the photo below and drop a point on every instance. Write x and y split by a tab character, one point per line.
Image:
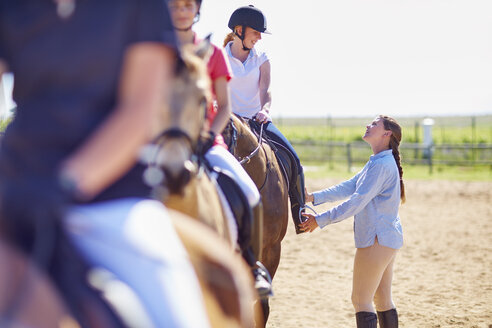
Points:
70	185
310	198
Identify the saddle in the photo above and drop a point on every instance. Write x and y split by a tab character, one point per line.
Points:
238	204
284	157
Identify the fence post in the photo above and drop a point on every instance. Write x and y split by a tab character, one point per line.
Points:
429	158
330	155
349	157
474	138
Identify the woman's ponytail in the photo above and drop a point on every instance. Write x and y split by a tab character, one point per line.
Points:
229	37
394	144
393	126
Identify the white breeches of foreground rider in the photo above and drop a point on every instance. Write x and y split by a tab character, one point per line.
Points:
219	156
134	239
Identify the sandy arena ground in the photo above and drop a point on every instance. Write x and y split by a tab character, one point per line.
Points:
443	274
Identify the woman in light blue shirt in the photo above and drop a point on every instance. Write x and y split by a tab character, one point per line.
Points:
374	196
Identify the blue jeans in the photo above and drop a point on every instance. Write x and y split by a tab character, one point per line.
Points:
275	134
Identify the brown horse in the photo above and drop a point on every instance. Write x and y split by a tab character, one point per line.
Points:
262	166
185	187
184	184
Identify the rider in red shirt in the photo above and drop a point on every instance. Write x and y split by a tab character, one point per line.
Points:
184	13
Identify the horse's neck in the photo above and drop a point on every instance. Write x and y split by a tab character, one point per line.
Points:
247	141
187	202
200	200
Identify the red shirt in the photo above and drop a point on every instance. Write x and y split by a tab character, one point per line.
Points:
218	67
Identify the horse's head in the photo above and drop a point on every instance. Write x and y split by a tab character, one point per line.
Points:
239	138
182	122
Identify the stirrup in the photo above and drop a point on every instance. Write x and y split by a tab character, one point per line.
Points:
302	208
263	283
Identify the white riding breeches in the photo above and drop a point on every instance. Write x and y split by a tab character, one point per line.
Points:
134	239
219	156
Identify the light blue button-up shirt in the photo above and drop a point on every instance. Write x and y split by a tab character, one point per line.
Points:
374	201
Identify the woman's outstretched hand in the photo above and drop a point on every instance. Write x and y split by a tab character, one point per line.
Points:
307	196
310	224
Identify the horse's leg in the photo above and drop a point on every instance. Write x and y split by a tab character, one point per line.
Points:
275	222
271	257
265	307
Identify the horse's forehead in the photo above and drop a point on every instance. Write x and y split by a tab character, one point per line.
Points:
186	91
191	84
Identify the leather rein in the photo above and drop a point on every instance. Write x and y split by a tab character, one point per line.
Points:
254	152
246	159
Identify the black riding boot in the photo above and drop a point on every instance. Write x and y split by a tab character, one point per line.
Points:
366	320
388	319
297	200
263	284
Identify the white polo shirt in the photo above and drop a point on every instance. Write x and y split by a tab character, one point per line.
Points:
245	82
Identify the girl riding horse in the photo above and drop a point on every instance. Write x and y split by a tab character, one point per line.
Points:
250	88
184	14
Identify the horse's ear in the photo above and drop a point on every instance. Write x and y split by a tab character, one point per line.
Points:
204	49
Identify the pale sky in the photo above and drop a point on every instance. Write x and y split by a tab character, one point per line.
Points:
366	57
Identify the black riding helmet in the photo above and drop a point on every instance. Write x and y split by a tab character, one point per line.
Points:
199	3
248	16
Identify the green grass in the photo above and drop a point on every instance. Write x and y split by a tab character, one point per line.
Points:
317	170
446	130
452	130
3	124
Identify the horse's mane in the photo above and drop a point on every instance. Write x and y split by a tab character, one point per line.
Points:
191	66
245	128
